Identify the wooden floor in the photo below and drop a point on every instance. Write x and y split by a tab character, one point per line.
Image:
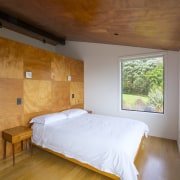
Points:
158	160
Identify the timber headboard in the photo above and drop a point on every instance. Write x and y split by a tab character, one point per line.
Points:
47	91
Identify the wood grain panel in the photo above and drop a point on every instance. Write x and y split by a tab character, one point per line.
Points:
10	90
11	120
48	91
29	116
78	106
38	62
11	60
76	70
37	95
76	88
138	23
60	95
60	68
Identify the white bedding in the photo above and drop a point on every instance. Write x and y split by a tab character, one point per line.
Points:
104	142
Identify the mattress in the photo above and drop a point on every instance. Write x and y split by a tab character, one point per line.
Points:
107	143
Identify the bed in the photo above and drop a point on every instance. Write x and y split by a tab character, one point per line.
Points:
105	144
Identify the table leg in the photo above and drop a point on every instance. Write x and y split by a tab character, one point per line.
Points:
13	154
31	147
4	156
21	145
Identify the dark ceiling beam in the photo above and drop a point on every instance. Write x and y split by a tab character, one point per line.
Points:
15	22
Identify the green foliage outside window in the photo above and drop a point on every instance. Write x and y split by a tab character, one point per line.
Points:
143	78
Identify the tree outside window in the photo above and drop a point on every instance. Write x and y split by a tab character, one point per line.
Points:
142	84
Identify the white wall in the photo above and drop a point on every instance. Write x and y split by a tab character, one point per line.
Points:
25	39
102	84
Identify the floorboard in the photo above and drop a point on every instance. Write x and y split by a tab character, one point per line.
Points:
158	159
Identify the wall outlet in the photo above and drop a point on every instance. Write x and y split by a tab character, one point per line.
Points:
19	101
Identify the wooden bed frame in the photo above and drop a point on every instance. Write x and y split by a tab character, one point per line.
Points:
112	176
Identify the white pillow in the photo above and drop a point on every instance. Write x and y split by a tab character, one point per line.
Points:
74	112
48	118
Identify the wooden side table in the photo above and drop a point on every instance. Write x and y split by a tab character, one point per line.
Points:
15	135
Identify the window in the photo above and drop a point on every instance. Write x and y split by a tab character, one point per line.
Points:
142	84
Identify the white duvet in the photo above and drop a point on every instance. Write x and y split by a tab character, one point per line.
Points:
104	142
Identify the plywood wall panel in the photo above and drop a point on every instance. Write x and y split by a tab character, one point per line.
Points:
37	95
60	68
9	121
76	70
61	98
29	116
10	90
47	91
11	60
77	88
38	62
78	106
